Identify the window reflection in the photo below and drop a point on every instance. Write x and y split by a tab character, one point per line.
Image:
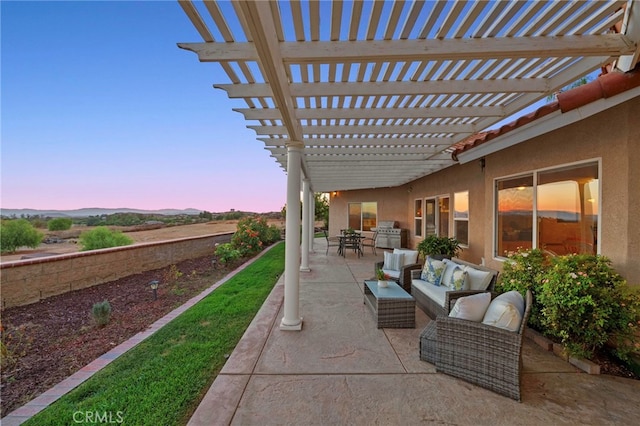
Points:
566	214
515	214
568	209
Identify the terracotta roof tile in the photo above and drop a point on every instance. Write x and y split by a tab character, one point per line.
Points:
605	86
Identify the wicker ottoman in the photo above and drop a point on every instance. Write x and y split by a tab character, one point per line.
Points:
428	341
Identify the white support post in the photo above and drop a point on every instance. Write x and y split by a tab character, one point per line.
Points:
312	218
306	208
292	319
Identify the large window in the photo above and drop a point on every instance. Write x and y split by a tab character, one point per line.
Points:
556	210
363	216
461	217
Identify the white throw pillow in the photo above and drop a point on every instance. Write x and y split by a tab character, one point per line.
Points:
505	311
410	256
393	261
472	307
478	280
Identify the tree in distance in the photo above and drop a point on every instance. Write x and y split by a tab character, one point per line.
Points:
18	233
103	237
59	224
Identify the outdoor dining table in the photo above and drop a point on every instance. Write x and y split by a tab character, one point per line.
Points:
350	241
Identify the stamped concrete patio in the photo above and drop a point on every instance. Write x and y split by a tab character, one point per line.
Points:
340	369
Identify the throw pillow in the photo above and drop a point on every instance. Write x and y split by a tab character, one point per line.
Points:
478	280
458	279
432	271
472	307
410	256
393	261
449	267
505	311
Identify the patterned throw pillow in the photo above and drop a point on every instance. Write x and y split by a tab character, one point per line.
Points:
459	279
432	271
393	261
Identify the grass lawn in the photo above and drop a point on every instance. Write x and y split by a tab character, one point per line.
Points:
162	380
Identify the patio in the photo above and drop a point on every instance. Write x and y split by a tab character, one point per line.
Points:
343	370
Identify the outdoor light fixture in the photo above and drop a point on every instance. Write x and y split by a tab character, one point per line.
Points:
154	287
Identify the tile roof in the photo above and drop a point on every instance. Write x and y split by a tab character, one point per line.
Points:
605	86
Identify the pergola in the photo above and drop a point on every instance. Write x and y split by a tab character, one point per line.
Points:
369	94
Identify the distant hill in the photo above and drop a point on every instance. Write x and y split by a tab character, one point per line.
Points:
86	212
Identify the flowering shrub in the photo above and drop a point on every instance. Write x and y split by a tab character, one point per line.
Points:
252	234
227	253
523	271
586	304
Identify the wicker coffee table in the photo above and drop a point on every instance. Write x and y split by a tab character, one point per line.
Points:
392	306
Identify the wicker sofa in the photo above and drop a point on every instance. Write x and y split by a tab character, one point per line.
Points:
437	300
485	355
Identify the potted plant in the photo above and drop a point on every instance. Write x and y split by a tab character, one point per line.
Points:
439	247
382	278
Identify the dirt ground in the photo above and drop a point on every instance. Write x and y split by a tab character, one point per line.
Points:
167	233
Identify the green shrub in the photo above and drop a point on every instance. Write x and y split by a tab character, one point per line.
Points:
101	312
18	233
103	237
227	253
439	246
59	224
585	304
521	272
250	236
273	234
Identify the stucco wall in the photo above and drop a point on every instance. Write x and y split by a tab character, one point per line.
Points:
391	206
28	281
613	136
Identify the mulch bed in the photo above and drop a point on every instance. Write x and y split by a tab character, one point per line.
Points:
50	340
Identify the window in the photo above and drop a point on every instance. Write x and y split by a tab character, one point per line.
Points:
443	216
363	216
417	217
461	217
514	220
556	210
436	216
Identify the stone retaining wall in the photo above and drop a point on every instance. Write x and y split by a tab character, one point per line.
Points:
28	281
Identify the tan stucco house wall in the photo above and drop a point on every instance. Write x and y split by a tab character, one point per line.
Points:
611	136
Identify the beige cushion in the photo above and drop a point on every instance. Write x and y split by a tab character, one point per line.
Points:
472	307
391	274
410	256
436	293
478	280
505	311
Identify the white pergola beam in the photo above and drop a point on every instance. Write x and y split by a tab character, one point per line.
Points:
422	49
392	88
357	142
370	129
378	113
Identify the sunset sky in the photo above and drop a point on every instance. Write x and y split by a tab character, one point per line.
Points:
100	108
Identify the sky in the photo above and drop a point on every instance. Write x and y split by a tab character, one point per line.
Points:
100	108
